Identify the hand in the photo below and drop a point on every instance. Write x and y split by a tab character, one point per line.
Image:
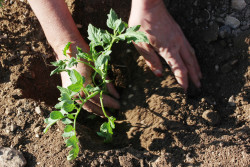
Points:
93	105
166	39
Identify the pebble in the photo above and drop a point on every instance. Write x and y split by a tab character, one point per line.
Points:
130	96
226	68
11	157
37	129
216	67
231	101
37	135
238	4
13	127
38	110
211	116
232	22
224	31
7	111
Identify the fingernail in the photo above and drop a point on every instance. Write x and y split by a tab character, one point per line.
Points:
158	73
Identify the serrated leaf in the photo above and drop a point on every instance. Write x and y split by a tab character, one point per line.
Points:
136	36
71	116
56	115
112	17
66	98
64	90
73	153
75	77
112	122
66	121
134	28
68	107
72	62
90	88
68	128
106	38
66	48
119	26
59	105
75	87
102	59
94	34
50	122
68	134
72	141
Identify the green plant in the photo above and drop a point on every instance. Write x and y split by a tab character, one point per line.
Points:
68	108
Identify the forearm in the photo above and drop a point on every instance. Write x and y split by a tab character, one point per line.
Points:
57	23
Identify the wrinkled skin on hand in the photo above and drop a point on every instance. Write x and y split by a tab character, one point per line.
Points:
167	40
93	105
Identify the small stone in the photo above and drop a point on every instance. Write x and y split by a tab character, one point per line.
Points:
4	36
224	31
232	22
23	52
226	68
130	96
37	129
11	157
238	4
37	135
231	101
7	111
211	116
13	127
216	67
38	110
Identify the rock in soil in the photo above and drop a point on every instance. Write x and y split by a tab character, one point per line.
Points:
211	116
238	4
9	157
232	22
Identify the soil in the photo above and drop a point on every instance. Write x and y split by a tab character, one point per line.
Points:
158	124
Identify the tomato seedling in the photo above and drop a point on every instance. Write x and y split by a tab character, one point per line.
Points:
69	106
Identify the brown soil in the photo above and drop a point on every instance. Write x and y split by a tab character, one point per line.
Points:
158	124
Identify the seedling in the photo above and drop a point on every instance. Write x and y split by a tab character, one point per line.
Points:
71	102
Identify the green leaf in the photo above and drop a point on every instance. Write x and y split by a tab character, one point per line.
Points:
75	77
119	26
71	116
72	62
66	48
134	28
66	121
59	105
112	17
112	122
56	115
90	88
106	38
102	59
73	153
136	36
72	141
68	128
68	134
66	98
60	67
50	122
64	90
94	34
75	87
68	107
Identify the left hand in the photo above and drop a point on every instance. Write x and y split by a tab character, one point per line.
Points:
167	39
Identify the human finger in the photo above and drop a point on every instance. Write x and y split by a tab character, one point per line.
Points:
112	90
192	52
151	58
107	101
189	62
177	66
